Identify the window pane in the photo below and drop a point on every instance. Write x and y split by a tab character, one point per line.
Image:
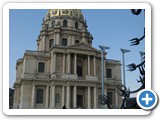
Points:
41	67
109	73
76	41
51	43
110	95
53	24
64	42
76	25
39	97
64	23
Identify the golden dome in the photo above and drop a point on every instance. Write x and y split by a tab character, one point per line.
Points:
75	13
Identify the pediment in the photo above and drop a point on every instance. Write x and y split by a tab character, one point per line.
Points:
83	46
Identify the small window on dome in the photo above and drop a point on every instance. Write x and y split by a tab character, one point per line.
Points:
53	24
76	41
76	25
64	23
46	26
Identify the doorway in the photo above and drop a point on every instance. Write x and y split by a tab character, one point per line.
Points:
79	101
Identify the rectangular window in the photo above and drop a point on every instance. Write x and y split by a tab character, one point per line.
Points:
76	41
110	95
41	67
39	96
109	73
51	43
64	42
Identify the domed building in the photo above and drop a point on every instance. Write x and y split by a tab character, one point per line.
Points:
65	70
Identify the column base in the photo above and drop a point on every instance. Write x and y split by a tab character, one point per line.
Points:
32	107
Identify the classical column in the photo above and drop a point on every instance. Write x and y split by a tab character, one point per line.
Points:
54	62
63	96
88	65
75	64
15	97
53	97
75	97
55	41
33	97
89	97
43	42
94	64
47	91
95	97
52	58
57	38
21	98
116	99
64	63
69	62
69	41
72	39
105	93
68	97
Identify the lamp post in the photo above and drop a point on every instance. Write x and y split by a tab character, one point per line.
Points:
124	77
103	48
142	54
124	51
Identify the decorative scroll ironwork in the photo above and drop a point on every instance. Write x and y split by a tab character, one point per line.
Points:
123	91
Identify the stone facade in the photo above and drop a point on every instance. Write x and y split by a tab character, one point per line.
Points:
65	70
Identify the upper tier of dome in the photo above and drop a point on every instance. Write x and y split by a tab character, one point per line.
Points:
75	13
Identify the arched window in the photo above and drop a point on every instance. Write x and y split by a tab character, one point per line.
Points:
46	26
53	24
76	25
64	23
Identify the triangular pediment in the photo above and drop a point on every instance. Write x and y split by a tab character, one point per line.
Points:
83	46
